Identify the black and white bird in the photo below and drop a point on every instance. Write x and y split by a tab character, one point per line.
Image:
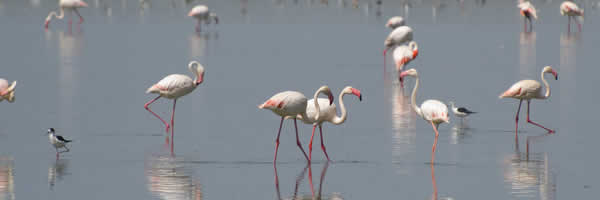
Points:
461	111
58	141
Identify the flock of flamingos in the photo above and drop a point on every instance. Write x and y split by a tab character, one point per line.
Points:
294	105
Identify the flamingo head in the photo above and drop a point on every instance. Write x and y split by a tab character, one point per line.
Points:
46	23
415	48
354	91
197	69
549	69
410	72
325	89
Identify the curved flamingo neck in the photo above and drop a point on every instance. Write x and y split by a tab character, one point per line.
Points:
413	98
60	16
344	113
547	95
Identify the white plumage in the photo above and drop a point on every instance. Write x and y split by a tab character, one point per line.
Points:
202	14
7	92
395	22
403	54
71	5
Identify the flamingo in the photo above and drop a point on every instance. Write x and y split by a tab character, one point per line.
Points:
201	13
174	86
403	55
71	5
398	36
7	92
528	11
527	90
395	22
327	113
433	111
290	104
571	10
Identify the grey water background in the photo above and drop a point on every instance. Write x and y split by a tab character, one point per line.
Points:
89	84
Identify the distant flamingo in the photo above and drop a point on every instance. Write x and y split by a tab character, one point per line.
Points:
395	22
433	111
528	11
571	10
398	36
328	113
290	104
71	5
7	92
174	86
201	13
527	90
403	55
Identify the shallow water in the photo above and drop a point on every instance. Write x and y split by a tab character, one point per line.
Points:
88	82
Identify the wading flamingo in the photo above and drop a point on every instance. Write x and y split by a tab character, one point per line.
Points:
433	111
328	113
7	92
398	36
571	10
527	90
290	104
201	13
403	55
174	86
71	5
395	22
528	11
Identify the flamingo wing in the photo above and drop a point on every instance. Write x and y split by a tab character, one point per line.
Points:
173	86
288	103
523	89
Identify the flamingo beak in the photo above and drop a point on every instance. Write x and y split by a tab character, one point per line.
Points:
330	96
200	79
46	24
356	92
415	53
555	75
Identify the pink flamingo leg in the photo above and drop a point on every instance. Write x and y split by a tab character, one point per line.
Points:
434	142
517	118
322	142
310	181
146	106
173	120
198	24
298	141
569	25
80	17
277	140
311	142
531	122
277	182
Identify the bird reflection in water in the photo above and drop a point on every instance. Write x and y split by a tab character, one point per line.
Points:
434	194
168	178
199	43
57	171
527	55
7	178
403	129
528	173
299	180
569	43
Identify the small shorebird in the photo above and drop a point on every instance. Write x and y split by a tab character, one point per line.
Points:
58	141
461	111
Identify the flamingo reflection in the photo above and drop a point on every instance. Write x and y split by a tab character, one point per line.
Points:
168	178
57	171
7	178
527	54
569	43
299	179
403	129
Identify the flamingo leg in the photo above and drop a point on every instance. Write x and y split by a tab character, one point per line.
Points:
434	142
531	122
277	140
298	140
198	24
173	120
80	17
530	25
517	118
311	142
146	106
310	182
323	143
569	24
277	182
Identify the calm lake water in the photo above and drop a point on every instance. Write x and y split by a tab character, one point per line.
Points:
88	82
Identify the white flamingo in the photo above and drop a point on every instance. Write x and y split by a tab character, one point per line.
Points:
328	113
71	5
527	90
7	92
571	10
528	11
398	36
395	22
290	104
433	111
201	13
403	54
174	86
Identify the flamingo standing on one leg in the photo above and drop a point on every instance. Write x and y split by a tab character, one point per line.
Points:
571	10
528	11
174	86
398	36
201	13
403	55
71	5
527	90
290	104
395	22
328	113
433	111
7	92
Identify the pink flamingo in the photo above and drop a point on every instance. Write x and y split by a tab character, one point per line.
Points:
395	22
433	111
571	10
71	5
527	90
528	11
290	104
201	13
7	92
403	55
174	86
398	36
328	113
